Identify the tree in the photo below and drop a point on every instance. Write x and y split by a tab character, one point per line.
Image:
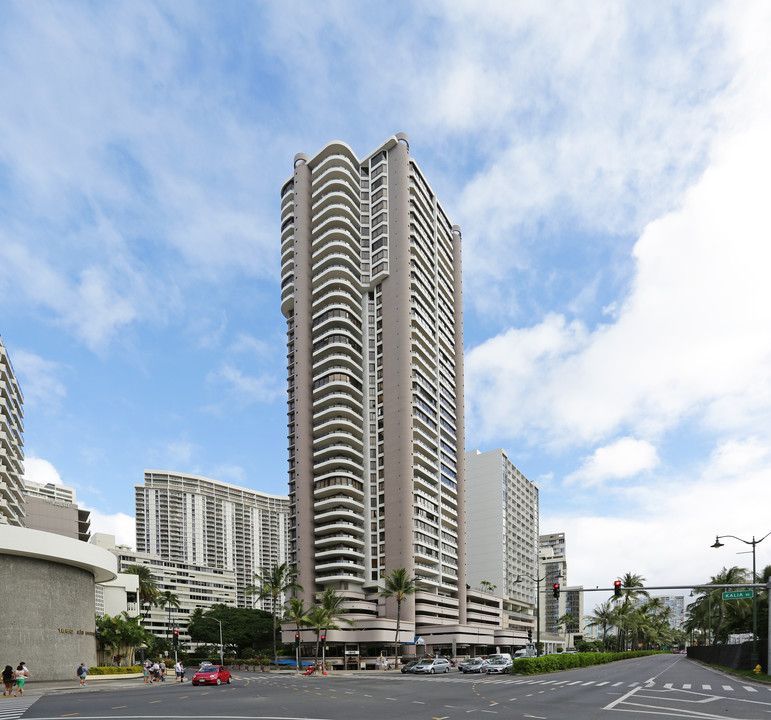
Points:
168	600
242	628
296	612
273	583
319	618
631	585
487	586
603	617
398	585
121	633
148	584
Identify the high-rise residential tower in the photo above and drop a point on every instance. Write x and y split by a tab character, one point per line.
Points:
205	522
11	444
371	292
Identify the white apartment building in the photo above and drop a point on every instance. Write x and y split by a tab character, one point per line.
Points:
11	444
197	521
195	587
502	516
371	292
52	508
554	570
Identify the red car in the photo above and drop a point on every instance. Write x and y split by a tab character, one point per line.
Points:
211	675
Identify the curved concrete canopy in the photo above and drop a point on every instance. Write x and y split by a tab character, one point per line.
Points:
101	563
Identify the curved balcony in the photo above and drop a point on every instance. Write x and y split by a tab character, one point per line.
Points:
340	272
334	259
336	526
338	246
335	155
337	463
332	414
335	484
332	551
337	538
337	501
340	396
335	193
345	362
340	576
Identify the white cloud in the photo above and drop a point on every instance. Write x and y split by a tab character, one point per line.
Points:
690	340
625	458
122	526
40	471
247	389
39	380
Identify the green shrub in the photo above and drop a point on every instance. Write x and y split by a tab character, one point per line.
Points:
111	670
566	661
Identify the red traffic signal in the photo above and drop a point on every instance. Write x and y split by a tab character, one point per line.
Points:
556	590
297	638
617	588
323	636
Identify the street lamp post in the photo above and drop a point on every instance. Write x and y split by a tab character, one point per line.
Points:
222	658
753	543
538	582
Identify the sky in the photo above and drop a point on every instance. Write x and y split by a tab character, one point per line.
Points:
607	162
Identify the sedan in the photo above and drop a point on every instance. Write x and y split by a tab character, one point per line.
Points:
410	666
473	665
499	667
211	675
432	666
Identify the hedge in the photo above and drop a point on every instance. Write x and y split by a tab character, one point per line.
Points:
111	670
565	661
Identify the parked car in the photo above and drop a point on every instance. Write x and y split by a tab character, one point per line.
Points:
473	665
498	667
211	675
410	666
431	666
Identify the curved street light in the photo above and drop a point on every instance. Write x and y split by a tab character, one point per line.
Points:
538	582
753	543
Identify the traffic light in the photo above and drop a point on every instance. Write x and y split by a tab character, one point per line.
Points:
323	636
556	591
297	639
176	639
530	634
617	588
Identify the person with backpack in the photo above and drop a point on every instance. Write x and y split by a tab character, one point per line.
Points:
82	672
7	680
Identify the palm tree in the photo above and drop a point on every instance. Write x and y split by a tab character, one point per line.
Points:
319	618
168	600
148	583
296	612
273	583
603	617
398	585
630	590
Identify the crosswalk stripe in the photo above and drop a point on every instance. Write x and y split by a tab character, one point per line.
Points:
749	688
706	687
687	686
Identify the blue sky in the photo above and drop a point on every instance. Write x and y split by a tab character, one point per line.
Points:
606	161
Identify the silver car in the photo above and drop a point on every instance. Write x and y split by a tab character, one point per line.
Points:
431	666
473	665
499	667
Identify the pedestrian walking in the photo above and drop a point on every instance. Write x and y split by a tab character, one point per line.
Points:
163	670
179	669
7	681
146	671
156	672
21	674
82	673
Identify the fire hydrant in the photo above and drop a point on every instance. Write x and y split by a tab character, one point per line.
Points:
758	669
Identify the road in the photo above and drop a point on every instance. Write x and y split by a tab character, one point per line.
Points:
661	686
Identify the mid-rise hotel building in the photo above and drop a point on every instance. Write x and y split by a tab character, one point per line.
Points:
211	524
502	527
371	293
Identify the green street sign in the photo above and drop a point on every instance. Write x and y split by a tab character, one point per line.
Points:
737	594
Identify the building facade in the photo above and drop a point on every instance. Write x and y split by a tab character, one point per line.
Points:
195	586
206	523
371	293
52	508
502	529
11	444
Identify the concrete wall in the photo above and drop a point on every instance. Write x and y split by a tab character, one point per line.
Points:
47	596
48	617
